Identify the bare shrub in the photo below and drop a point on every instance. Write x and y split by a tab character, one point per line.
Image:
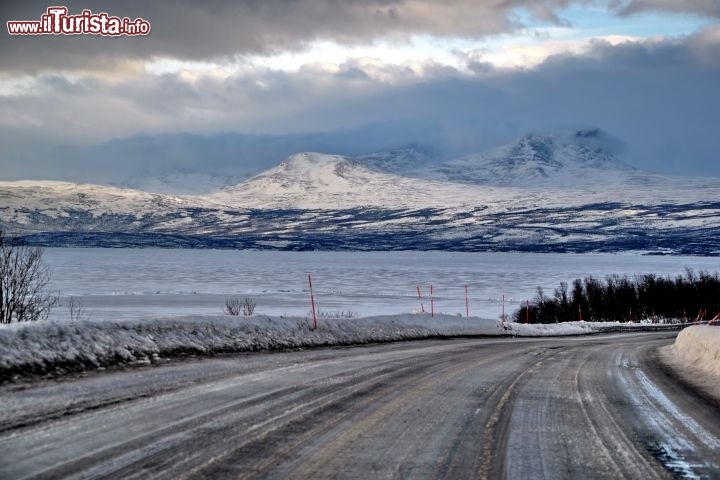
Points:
76	310
23	278
234	306
248	306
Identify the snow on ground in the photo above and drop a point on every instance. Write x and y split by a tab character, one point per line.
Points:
62	346
698	347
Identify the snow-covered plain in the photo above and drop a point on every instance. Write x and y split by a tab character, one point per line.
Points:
698	347
57	347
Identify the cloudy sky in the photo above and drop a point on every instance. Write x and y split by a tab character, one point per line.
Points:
233	86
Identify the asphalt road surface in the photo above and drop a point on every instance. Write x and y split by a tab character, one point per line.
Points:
583	407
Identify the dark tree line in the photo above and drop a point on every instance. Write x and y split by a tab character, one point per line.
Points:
616	298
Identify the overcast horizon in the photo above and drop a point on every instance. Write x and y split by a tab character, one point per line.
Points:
228	87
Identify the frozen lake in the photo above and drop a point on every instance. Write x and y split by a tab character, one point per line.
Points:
136	283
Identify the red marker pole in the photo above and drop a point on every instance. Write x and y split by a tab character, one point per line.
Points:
422	307
467	306
312	302
432	303
580	312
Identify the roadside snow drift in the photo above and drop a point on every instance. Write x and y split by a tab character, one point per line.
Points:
59	347
699	347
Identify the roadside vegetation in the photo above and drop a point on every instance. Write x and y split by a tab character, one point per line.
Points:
234	306
648	297
23	278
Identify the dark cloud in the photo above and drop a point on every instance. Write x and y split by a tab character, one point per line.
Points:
660	97
224	29
195	30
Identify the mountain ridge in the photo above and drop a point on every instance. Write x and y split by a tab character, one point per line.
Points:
322	201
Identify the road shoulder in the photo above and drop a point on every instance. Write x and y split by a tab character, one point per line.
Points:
703	384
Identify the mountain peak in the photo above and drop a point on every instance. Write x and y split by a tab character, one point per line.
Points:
564	159
309	158
309	179
316	168
319	181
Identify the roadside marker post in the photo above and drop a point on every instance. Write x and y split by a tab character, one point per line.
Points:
312	302
432	302
422	307
467	305
503	308
527	311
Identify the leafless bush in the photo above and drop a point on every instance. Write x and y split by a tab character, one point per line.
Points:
234	306
23	277
248	306
76	310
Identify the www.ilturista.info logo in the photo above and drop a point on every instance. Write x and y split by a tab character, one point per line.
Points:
57	22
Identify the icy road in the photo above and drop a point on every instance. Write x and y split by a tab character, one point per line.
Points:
587	407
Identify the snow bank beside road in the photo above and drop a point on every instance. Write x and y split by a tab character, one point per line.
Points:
698	347
56	347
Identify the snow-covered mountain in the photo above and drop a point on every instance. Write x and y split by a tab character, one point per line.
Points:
318	181
542	193
55	198
41	206
583	157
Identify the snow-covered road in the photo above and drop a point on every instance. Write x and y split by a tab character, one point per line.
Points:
573	407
